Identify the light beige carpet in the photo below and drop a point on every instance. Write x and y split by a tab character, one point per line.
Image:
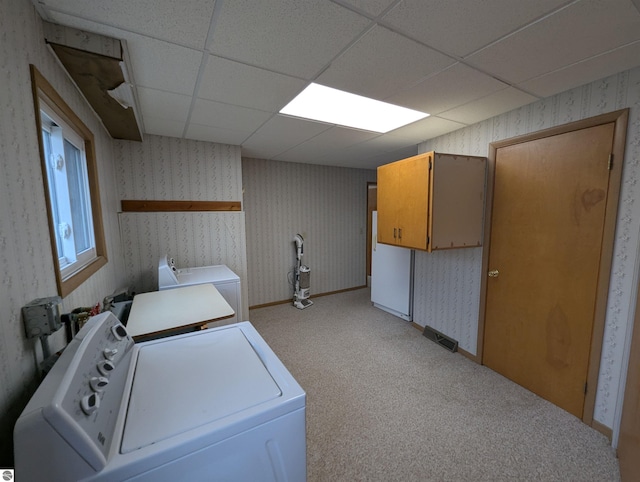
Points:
384	403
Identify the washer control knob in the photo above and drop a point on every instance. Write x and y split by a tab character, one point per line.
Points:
105	367
90	403
98	384
119	331
110	353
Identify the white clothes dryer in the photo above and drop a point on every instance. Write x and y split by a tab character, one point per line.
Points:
226	282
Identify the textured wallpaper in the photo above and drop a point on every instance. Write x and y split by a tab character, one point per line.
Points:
191	239
326	205
25	251
447	284
163	168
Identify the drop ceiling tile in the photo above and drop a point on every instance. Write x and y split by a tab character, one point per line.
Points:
459	27
388	61
582	30
164	105
155	64
163	66
372	148
90	26
259	152
355	163
162	126
402	153
367	150
69	19
215	134
281	133
358	159
233	117
445	90
387	157
370	7
288	36
589	70
425	129
185	22
235	83
339	157
326	144
492	105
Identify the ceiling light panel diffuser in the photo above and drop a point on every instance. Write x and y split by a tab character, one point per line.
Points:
334	106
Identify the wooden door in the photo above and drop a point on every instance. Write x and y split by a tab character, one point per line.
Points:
548	217
629	439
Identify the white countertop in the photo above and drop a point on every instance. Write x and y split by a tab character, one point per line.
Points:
190	306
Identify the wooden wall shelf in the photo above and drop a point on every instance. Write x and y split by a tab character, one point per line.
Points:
144	206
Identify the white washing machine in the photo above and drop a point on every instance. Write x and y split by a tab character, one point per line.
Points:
225	281
210	405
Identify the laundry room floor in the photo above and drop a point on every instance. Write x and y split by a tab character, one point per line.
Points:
385	403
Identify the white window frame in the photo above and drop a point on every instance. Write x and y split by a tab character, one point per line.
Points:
68	200
70	257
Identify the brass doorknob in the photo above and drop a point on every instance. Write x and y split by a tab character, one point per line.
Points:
493	273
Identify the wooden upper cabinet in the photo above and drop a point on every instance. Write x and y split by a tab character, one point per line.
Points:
387	197
432	201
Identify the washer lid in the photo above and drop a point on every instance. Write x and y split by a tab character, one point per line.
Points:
183	383
206	274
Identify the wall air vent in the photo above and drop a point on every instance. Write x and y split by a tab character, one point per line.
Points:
441	339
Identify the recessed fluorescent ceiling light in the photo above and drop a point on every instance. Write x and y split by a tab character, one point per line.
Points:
334	106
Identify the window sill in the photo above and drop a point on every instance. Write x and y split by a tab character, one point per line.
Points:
66	286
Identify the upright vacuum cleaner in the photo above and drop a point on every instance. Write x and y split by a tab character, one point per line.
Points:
302	275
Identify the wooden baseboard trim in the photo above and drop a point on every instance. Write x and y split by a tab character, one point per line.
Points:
290	300
468	355
417	327
273	303
603	429
341	291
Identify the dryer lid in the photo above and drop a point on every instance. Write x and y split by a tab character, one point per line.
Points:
186	382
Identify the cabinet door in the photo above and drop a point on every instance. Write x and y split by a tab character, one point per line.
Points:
387	203
413	199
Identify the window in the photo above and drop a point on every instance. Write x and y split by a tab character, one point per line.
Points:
70	180
64	154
